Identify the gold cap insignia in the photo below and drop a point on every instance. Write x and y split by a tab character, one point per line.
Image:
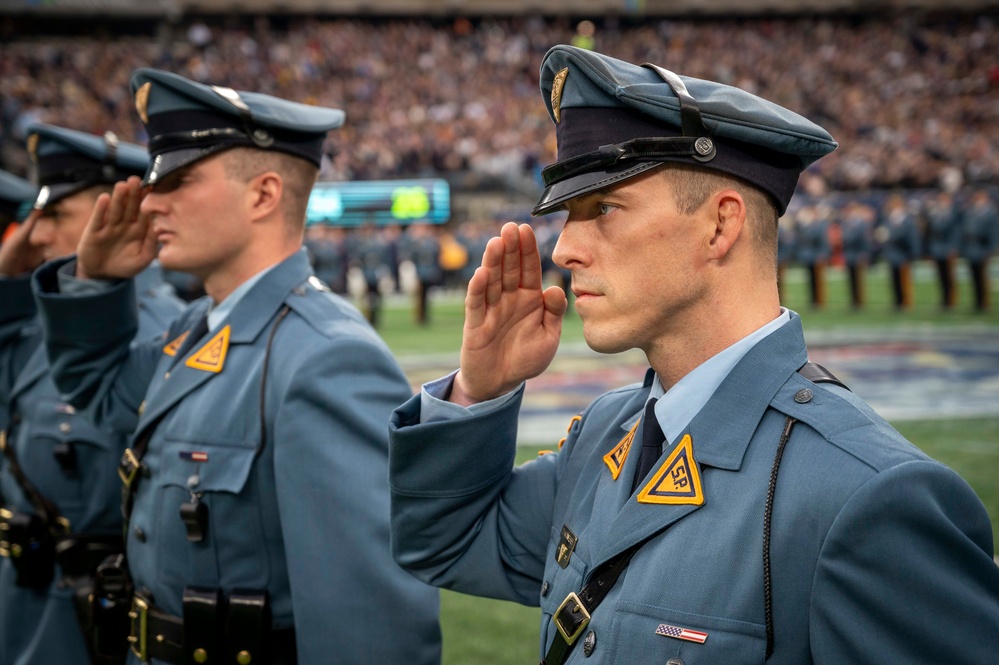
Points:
142	100
557	85
33	147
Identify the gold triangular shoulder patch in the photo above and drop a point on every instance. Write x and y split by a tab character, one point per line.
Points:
211	356
171	348
619	453
678	480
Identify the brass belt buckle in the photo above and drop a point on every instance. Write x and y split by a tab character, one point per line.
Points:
128	467
139	628
574	605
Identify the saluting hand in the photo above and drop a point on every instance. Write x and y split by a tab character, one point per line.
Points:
17	255
118	242
512	326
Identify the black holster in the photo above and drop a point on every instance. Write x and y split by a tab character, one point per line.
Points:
31	547
110	604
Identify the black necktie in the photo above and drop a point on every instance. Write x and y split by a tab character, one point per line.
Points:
197	331
652	443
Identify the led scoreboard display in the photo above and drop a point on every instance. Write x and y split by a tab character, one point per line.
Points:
380	202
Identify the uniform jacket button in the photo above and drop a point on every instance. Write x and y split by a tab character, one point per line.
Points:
544	589
589	643
140	535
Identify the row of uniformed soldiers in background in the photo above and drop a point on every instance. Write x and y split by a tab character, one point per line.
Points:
941	228
382	259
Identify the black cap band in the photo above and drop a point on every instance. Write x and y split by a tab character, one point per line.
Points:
597	140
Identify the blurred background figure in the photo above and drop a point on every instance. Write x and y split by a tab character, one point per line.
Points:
328	252
858	242
371	254
423	248
785	252
812	250
899	237
980	239
943	243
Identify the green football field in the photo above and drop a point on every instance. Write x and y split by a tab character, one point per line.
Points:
479	630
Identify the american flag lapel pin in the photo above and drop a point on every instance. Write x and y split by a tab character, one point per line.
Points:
681	633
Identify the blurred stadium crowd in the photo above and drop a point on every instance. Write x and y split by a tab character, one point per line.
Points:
912	99
914	102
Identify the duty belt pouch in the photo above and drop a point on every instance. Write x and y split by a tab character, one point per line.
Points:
202	622
248	628
110	604
32	550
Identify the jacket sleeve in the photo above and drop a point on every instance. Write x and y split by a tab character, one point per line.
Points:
463	517
906	574
330	458
88	340
18	334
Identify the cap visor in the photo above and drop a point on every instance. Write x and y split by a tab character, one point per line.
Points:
166	163
59	191
556	195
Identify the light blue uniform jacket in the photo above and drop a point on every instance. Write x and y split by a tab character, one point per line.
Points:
879	554
300	508
41	628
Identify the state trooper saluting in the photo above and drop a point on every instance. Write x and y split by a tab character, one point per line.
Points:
60	516
255	487
740	505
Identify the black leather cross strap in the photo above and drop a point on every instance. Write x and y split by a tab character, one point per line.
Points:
573	615
46	508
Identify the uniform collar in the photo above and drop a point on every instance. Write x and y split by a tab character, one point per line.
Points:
678	406
721	431
253	308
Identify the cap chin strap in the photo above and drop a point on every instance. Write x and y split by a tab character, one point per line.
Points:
690	114
260	137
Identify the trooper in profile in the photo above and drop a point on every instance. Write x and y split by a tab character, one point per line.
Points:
256	491
740	505
59	489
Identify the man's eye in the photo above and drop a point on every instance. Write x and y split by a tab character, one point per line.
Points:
170	183
605	208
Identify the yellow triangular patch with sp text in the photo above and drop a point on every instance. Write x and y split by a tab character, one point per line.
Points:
678	480
171	348
619	453
211	356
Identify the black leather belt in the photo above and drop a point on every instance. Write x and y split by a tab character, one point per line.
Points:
79	555
159	636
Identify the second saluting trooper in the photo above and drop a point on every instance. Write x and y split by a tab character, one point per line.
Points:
739	505
59	485
256	486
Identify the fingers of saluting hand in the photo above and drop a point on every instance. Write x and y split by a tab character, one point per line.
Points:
511	256
530	259
125	201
